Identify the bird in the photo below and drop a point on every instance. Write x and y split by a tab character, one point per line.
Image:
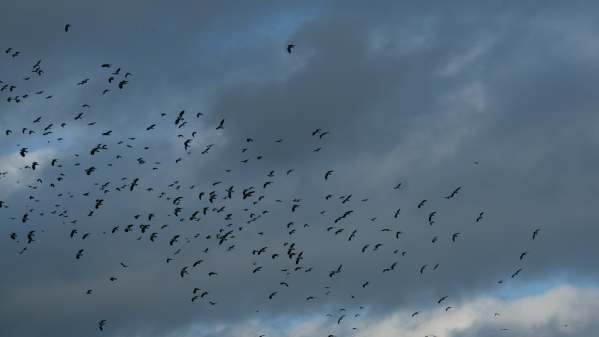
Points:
454	192
516	272
101	324
480	216
290	46
328	174
535	233
221	124
454	236
430	217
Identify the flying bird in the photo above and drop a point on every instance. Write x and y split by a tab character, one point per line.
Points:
328	174
516	272
221	124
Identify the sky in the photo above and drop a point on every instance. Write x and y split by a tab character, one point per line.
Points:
401	102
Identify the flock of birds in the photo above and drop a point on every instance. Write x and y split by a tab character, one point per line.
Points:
215	200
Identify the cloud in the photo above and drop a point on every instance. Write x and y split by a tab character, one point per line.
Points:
409	93
564	310
17	176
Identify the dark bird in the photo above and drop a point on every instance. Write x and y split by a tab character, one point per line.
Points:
453	193
420	204
289	47
454	236
516	272
430	217
221	124
90	170
535	233
101	324
480	216
327	174
173	240
133	184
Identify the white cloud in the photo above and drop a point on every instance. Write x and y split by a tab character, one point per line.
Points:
564	310
13	164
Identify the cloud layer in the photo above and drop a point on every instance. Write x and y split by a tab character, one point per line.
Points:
497	98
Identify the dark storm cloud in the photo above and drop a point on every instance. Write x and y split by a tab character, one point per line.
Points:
409	93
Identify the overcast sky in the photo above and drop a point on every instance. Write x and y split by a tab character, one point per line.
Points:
498	99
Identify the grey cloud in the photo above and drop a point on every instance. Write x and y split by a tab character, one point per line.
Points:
409	93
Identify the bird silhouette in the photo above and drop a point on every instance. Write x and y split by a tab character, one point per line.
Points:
102	324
